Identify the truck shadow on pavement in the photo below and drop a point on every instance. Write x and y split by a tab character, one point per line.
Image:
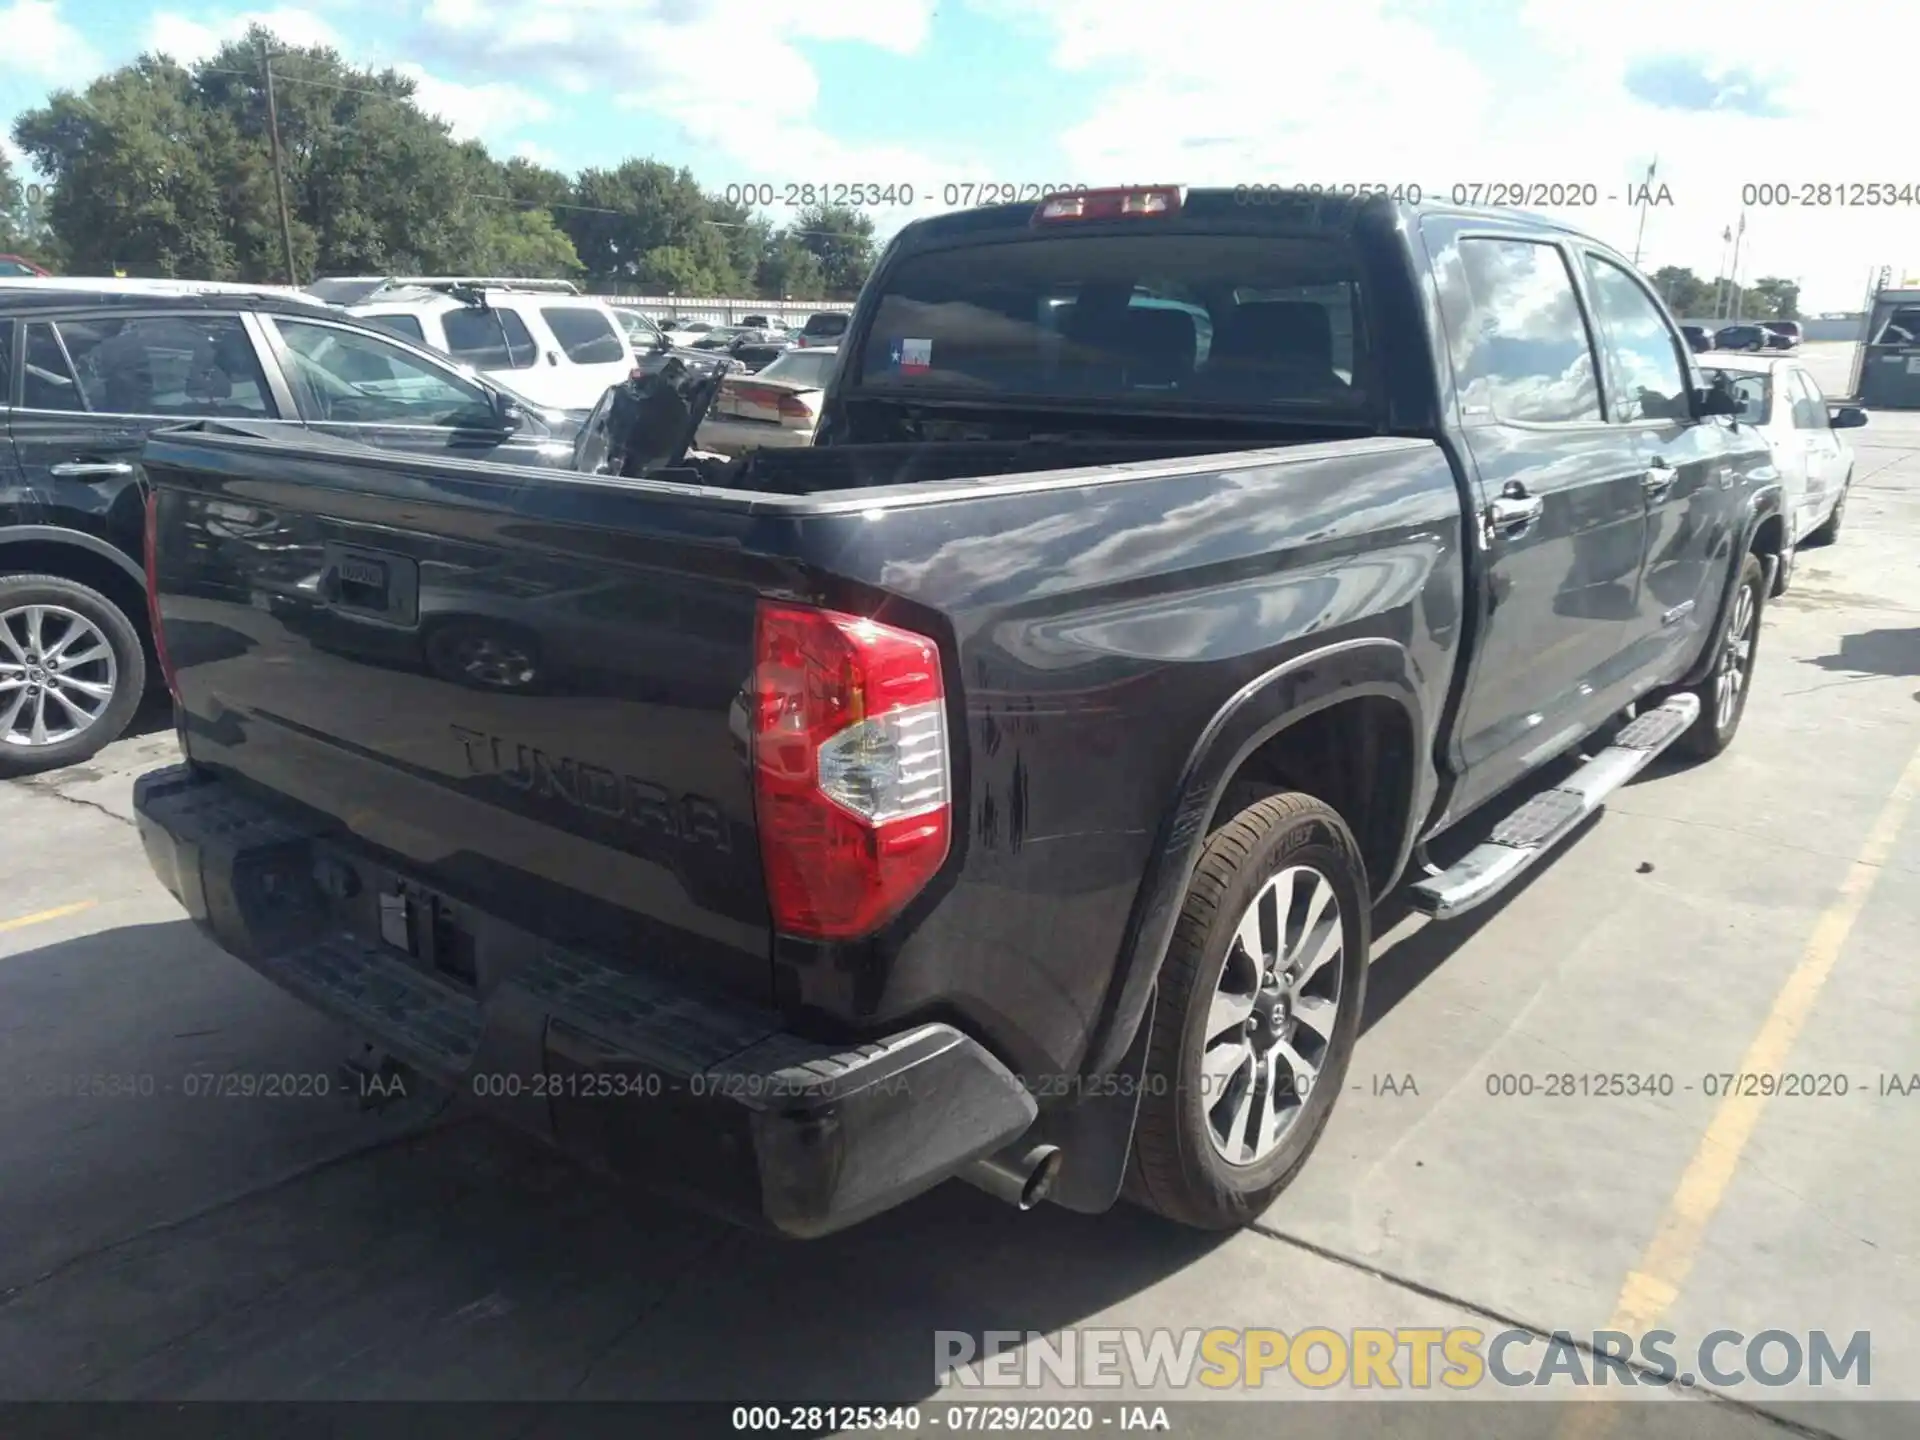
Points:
451	1259
1875	652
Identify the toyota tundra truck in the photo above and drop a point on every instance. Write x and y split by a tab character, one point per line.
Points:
1000	788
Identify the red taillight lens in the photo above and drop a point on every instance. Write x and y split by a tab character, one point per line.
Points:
792	407
1114	204
153	593
851	769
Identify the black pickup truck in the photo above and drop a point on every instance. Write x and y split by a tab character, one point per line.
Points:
1000	788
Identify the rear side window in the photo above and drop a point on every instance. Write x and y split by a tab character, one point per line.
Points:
1809	407
406	327
585	334
171	365
1225	319
1520	347
489	339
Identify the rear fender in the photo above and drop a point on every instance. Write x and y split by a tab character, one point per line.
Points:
1283	696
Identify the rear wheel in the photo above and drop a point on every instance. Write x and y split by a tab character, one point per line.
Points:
72	671
1260	1001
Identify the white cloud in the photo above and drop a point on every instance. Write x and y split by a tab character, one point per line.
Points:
475	112
188	39
539	154
36	42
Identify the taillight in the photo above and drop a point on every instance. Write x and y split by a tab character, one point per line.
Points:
153	593
792	407
1113	204
851	770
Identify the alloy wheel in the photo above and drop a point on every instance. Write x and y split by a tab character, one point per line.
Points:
1271	1021
1736	657
57	675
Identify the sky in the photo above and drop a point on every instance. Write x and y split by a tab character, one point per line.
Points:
929	96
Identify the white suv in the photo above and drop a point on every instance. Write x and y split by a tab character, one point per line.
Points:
547	342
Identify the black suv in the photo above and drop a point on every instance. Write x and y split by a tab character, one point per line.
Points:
1740	337
87	370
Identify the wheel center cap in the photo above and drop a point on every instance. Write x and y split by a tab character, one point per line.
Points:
36	675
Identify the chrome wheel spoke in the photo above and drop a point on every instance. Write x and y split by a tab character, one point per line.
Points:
36	620
12	715
94	688
82	716
91	656
1229	1011
1317	1015
1220	1064
1248	938
1300	1071
6	639
37	731
76	627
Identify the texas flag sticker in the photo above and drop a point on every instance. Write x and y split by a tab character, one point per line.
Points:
912	357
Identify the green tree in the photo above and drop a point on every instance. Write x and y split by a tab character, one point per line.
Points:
789	270
135	183
1686	293
841	239
534	184
13	205
1771	298
622	216
525	242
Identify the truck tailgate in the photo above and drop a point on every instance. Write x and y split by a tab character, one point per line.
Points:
450	665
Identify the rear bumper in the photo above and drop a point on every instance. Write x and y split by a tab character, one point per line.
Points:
730	437
709	1099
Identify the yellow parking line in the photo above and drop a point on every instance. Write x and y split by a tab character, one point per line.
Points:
38	916
1654	1283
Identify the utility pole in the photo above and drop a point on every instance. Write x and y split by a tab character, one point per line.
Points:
1646	198
1720	278
279	168
1738	236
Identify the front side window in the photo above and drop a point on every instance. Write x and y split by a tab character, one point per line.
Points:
190	366
1645	380
585	334
1809	406
350	377
1520	347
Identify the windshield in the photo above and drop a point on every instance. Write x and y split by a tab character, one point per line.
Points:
639	329
1212	319
344	291
804	367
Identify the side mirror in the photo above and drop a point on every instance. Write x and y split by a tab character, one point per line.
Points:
1848	417
1715	401
507	414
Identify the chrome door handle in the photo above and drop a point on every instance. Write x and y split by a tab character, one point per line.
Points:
68	469
1510	512
1658	479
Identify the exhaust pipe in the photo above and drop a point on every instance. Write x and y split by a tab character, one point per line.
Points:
1020	1176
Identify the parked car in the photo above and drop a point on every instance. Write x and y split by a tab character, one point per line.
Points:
779	406
18	266
763	323
823	329
1782	334
558	348
1780	398
1024	759
1740	337
687	331
1697	338
87	369
757	349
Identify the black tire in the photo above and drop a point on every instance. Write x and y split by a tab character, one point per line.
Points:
1829	530
127	674
1711	733
1178	1169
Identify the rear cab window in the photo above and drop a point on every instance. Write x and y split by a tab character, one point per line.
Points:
1176	316
586	335
825	326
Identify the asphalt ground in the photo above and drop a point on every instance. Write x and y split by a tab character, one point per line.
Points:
1758	914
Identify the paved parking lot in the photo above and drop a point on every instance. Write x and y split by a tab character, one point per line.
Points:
1761	911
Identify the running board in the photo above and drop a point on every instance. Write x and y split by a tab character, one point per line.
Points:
1550	816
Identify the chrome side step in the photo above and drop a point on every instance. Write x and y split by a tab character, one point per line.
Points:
1548	817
